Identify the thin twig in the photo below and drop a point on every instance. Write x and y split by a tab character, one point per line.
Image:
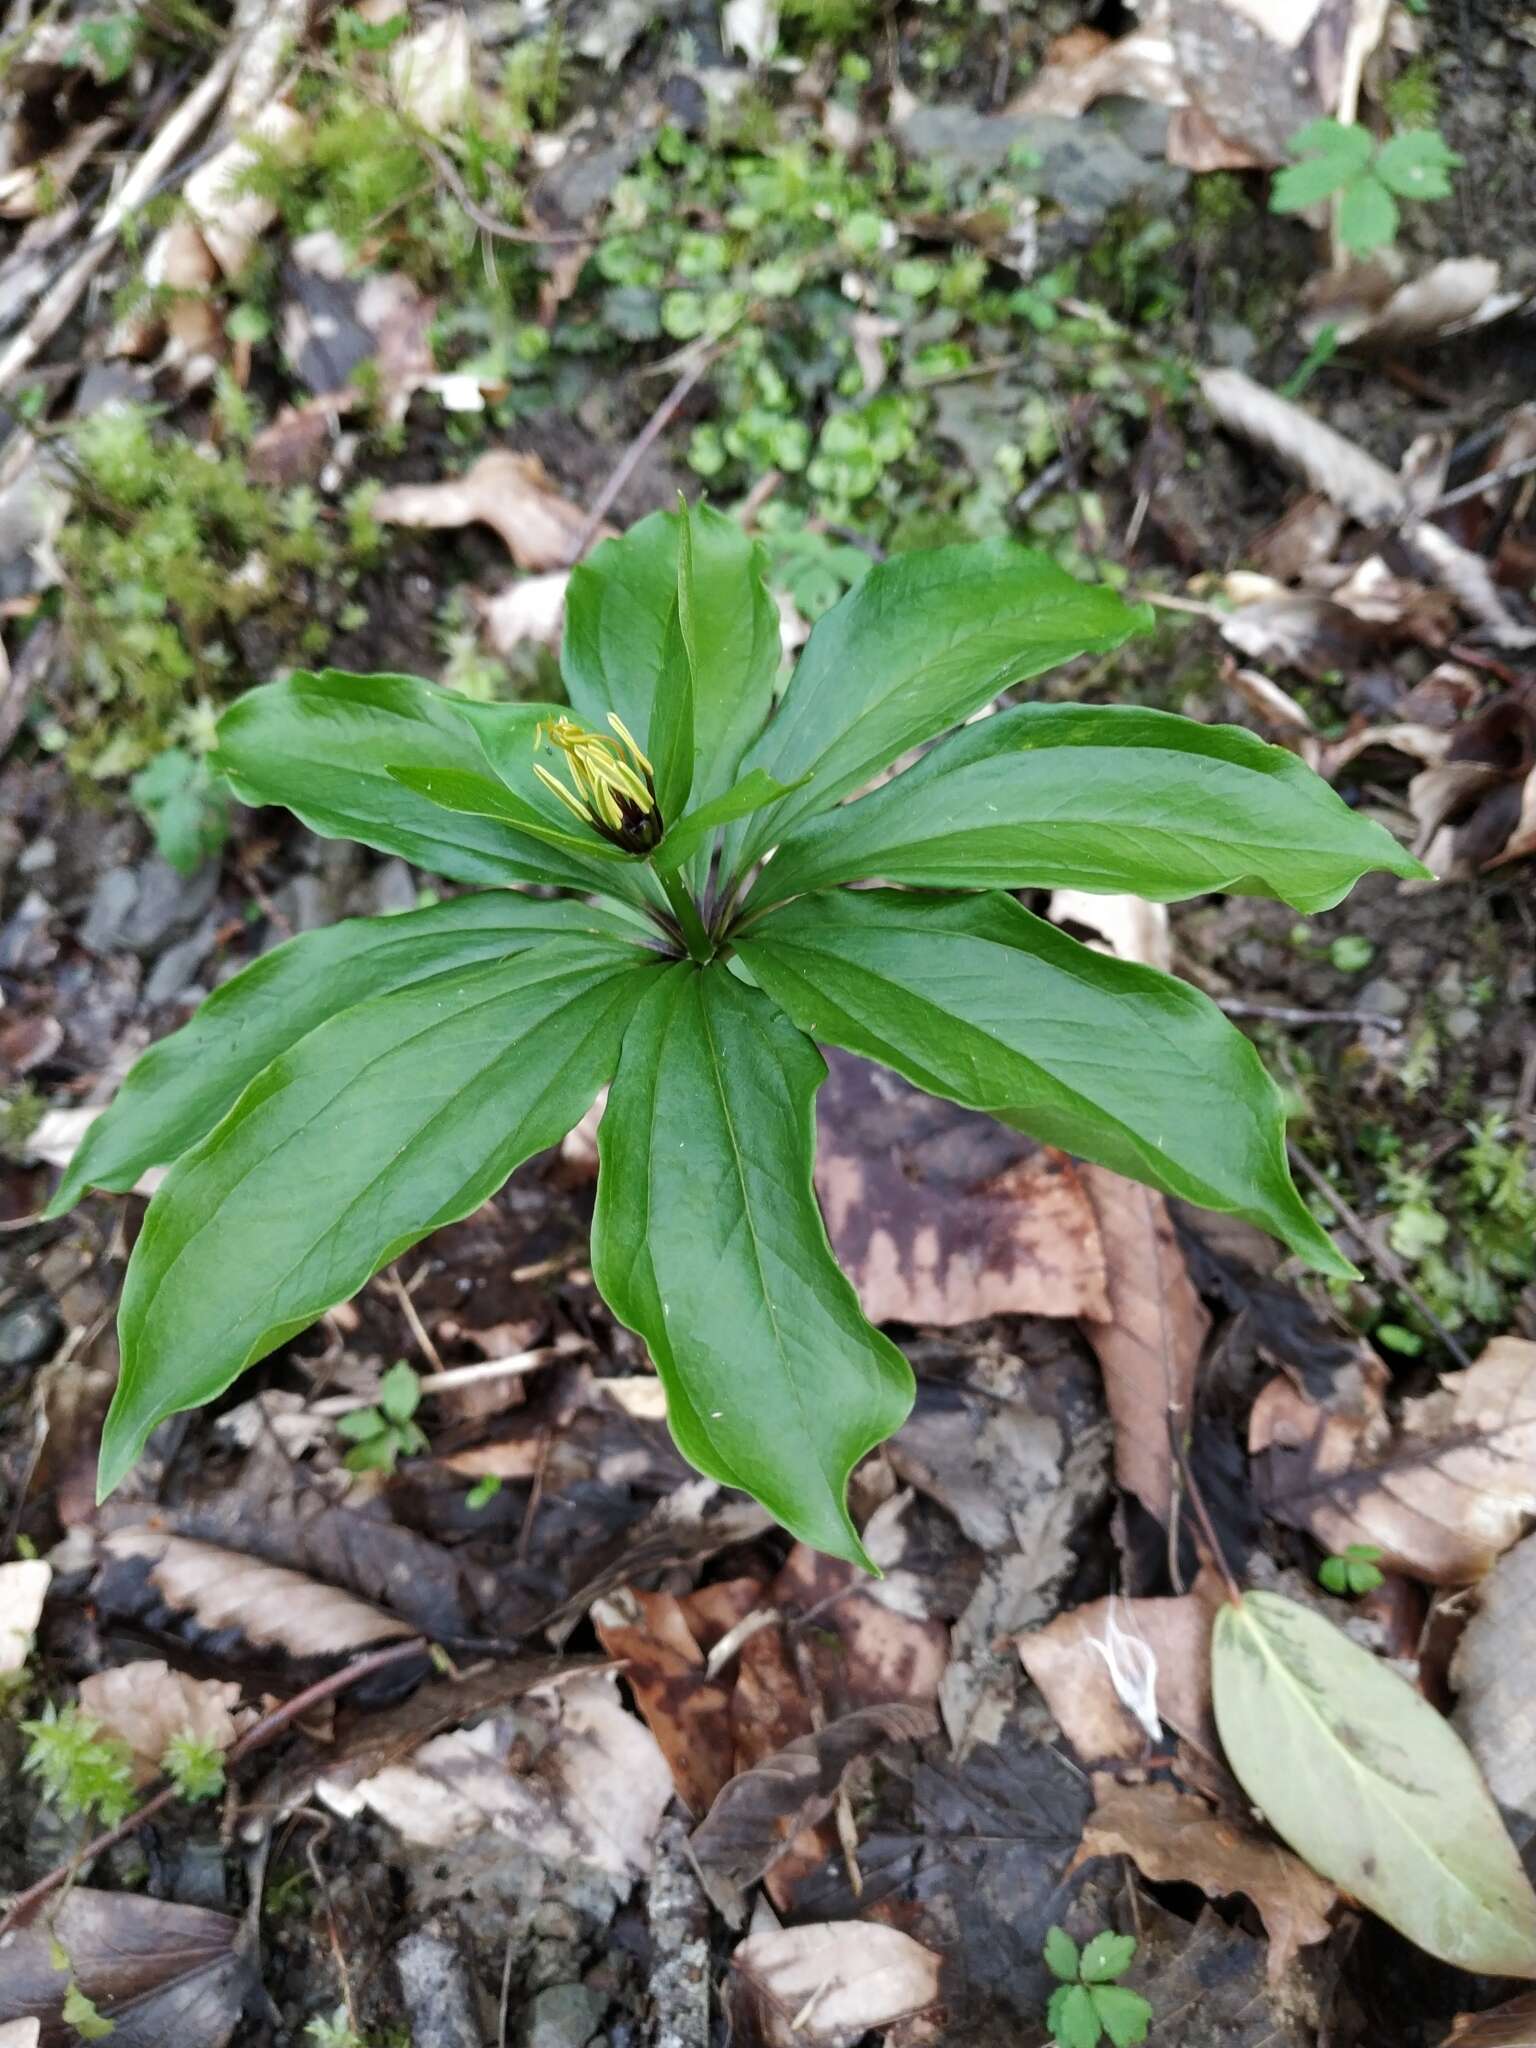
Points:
1490	480
418	1328
1281	1013
492	224
22	1907
635	453
1381	1254
451	1377
49	315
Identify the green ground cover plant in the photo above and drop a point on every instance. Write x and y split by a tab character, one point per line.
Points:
364	1085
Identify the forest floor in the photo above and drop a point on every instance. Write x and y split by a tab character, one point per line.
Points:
336	342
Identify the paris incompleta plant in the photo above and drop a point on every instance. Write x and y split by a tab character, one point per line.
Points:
361	1086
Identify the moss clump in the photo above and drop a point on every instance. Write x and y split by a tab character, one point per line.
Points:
169	549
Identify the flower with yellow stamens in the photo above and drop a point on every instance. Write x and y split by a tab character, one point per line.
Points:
614	795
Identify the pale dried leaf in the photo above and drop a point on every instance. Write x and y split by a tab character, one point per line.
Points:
269	1604
1264	697
431	73
594	1795
1132	928
510	493
757	1815
1451	296
751	28
20	2033
1149	1344
1441	1497
145	1704
1491	1673
532	609
1068	1661
1077	71
23	1589
1512	2025
233	221
1174	1838
826	1986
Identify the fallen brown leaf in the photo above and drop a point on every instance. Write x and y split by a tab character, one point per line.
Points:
510	493
1174	1838
532	609
760	1812
157	1971
269	1604
1491	1673
940	1215
1069	1660
1503	2026
827	1986
146	1703
1363	304
1441	1496
1149	1344
689	1715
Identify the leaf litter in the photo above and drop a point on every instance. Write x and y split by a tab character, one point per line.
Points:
754	1676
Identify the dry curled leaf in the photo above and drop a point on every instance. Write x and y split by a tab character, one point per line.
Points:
1149	1345
1491	1673
146	1704
267	1603
939	1215
1441	1496
758	1814
827	1986
1075	1658
663	1666
510	493
1174	1838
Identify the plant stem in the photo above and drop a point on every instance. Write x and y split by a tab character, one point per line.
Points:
689	921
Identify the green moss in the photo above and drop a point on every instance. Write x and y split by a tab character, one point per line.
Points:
169	550
1412	99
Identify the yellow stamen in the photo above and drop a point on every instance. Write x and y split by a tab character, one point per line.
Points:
628	738
600	775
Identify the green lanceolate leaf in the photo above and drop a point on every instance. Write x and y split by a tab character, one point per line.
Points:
1369	1784
670	734
1075	796
179	1089
481	796
690	833
617	612
400	1115
707	1240
921	643
324	745
975	999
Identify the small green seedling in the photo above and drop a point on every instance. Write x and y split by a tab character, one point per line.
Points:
183	806
662	903
1366	177
195	1768
82	1771
482	1493
335	2032
1088	2003
383	1435
80	2012
1355	1570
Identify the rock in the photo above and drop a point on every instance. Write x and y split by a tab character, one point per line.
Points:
140	909
176	969
564	2016
26	943
439	1992
390	888
30	1330
1087	165
1385	997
